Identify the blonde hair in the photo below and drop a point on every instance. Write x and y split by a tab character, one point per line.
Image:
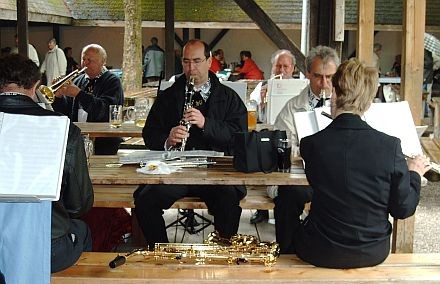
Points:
355	85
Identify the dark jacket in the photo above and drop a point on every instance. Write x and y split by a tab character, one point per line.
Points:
107	91
76	196
359	176
226	114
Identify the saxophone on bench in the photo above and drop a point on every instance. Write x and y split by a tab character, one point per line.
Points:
238	249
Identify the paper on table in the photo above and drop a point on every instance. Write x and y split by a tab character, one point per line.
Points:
32	151
147	155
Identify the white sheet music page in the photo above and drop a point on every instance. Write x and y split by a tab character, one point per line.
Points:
305	123
279	91
395	119
32	151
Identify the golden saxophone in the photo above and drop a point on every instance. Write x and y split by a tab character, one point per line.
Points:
49	91
188	104
238	249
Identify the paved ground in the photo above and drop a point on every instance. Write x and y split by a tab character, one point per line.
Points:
427	226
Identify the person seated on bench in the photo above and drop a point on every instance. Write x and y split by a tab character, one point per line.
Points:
19	78
216	114
358	175
283	65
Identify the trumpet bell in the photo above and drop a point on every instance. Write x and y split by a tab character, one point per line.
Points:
47	93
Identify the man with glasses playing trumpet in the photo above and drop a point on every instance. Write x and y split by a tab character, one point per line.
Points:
216	113
90	95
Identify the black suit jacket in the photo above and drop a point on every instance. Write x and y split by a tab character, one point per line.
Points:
359	176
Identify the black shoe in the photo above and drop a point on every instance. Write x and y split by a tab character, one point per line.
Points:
259	217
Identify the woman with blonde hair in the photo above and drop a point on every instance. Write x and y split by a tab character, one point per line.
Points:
358	176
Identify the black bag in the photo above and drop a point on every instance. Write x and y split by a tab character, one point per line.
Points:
257	151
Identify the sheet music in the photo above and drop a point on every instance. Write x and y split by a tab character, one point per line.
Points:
305	123
394	119
32	151
146	155
279	91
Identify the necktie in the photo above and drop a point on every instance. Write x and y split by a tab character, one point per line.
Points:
320	103
90	86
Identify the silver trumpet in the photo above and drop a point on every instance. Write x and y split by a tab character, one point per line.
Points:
188	104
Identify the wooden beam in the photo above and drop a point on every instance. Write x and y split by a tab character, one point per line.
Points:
412	55
218	37
271	30
22	27
197	33
365	34
169	38
185	35
178	40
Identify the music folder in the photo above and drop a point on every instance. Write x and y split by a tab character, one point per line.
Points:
32	151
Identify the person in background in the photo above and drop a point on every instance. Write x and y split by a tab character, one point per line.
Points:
397	66
321	64
249	69
5	51
217	114
377	49
19	78
221	57
283	65
72	65
178	69
216	64
153	61
32	52
55	63
359	176
90	95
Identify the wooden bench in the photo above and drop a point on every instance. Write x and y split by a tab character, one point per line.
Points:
93	268
118	196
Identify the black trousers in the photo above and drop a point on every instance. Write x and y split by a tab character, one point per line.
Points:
66	250
289	205
150	201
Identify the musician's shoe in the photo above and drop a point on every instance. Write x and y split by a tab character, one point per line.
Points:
259	217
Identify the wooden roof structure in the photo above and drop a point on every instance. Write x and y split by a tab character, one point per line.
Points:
215	14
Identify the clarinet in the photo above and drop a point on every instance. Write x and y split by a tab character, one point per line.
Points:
188	104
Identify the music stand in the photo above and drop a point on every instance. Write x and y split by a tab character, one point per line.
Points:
188	221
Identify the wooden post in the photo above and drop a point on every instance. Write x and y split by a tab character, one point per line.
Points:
412	56
365	34
22	27
403	235
169	39
132	58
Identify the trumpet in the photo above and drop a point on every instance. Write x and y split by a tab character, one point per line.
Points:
188	104
49	91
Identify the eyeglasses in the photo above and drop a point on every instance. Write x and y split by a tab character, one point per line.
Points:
195	62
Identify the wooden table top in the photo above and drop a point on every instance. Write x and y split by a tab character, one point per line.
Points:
106	170
103	129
